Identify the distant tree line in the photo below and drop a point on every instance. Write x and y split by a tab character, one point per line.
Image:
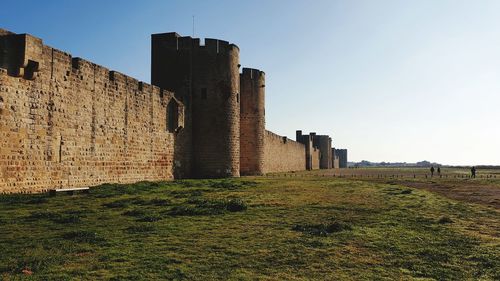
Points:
421	164
365	163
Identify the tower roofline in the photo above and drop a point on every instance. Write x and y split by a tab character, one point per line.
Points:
252	72
179	42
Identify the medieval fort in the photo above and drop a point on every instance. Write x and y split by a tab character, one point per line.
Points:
67	122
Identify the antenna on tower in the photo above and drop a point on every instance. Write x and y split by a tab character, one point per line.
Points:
193	26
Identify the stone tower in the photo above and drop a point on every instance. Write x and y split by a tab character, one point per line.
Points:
206	79
307	141
342	155
324	143
252	124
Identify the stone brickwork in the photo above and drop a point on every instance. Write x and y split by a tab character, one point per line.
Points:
66	122
324	143
206	77
307	141
342	156
282	154
252	122
318	150
335	160
315	158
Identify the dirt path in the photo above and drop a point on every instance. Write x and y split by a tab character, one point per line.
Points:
453	183
463	190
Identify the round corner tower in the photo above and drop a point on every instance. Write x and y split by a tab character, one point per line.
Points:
207	79
252	121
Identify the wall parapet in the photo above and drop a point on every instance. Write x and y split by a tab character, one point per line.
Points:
15	63
282	139
80	123
252	73
175	41
282	154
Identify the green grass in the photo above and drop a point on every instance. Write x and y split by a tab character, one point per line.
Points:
248	229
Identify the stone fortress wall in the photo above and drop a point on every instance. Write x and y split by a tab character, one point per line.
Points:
282	154
324	143
319	152
341	156
335	159
315	158
253	135
206	78
67	122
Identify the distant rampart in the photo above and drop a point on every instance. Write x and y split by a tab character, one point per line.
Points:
282	154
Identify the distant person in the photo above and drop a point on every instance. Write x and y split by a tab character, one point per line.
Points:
432	171
439	170
473	171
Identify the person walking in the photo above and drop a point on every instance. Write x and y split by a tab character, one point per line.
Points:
439	171
432	171
473	172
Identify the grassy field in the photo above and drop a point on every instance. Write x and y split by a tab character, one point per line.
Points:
294	227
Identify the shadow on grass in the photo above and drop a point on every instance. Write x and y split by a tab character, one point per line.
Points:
112	190
64	217
123	203
200	206
31	199
217	184
145	215
141	228
322	229
34	259
84	236
397	191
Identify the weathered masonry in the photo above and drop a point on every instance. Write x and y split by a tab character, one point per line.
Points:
340	157
67	122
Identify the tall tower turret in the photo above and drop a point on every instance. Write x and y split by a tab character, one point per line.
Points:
252	124
206	79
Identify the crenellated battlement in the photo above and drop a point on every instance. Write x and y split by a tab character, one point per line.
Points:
174	41
111	77
80	123
21	54
253	122
282	154
83	65
252	73
323	143
117	78
281	139
205	75
5	32
83	124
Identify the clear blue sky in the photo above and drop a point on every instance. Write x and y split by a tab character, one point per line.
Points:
389	80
